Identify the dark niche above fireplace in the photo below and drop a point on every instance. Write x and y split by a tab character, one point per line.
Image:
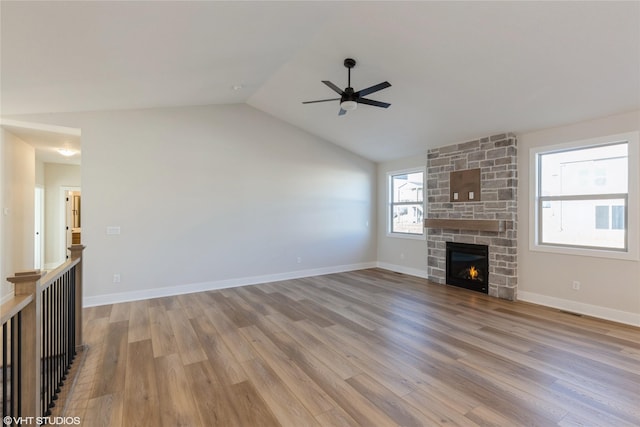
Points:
467	266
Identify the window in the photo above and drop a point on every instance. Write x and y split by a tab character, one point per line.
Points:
603	215
617	217
406	203
582	196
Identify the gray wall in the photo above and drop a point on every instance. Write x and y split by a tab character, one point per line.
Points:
214	196
610	287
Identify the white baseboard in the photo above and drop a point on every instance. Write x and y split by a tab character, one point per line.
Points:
559	303
91	301
404	270
581	308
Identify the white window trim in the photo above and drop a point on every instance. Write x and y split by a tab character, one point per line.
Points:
388	204
633	236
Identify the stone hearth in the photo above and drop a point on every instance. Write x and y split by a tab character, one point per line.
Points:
496	157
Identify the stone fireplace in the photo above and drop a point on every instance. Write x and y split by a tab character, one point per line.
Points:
489	220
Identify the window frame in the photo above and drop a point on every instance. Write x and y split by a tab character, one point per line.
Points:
391	203
630	198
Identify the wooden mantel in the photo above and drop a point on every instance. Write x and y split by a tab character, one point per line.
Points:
467	224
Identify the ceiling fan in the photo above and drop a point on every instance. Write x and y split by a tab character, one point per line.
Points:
349	99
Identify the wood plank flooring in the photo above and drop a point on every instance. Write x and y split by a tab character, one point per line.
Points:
364	348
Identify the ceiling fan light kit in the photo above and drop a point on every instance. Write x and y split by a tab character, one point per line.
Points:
349	105
349	99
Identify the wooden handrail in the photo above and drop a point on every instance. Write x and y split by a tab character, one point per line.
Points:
30	331
18	302
53	275
29	287
14	306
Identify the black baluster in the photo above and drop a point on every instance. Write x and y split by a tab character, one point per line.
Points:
50	350
63	329
5	343
43	351
73	314
56	351
12	373
19	363
65	325
45	337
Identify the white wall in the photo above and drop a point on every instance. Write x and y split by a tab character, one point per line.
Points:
609	288
39	173
56	177
407	256
17	183
214	196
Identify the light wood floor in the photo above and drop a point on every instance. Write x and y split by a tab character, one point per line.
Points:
366	348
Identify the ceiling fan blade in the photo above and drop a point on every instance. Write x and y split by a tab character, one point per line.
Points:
342	112
335	88
321	100
374	88
372	102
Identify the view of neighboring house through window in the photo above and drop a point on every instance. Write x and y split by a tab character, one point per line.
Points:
583	197
406	202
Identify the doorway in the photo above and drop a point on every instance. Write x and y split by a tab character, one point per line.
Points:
72	226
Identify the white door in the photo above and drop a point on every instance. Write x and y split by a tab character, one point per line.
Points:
38	244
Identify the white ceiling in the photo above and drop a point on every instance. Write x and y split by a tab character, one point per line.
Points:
458	70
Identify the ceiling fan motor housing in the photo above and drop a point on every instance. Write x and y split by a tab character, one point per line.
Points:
348	95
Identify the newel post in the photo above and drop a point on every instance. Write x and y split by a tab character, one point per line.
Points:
76	252
28	283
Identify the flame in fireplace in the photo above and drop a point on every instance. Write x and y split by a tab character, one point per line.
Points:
473	273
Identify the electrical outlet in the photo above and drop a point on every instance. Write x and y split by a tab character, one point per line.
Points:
299	260
116	278
576	285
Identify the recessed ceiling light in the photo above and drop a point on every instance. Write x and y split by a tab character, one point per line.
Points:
67	152
237	87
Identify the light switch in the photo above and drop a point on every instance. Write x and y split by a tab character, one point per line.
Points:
471	195
455	196
113	230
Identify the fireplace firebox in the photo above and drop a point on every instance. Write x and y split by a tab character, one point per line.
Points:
468	266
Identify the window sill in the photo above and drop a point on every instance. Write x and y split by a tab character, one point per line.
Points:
595	253
407	236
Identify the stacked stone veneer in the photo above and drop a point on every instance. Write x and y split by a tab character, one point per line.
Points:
497	160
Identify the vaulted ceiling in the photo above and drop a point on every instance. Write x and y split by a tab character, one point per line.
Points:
458	70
